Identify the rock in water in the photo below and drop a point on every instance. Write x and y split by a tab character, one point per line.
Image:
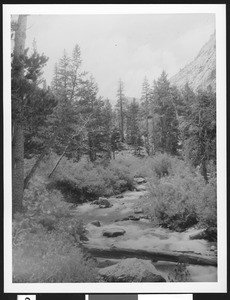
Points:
140	180
213	248
198	235
123	219
103	202
134	218
209	234
140	188
132	270
95	202
138	211
113	232
96	223
119	196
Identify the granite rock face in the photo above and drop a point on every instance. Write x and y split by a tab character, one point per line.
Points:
201	72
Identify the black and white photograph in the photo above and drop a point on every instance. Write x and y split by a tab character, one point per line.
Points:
114	148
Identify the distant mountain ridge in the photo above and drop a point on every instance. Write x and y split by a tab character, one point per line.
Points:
201	72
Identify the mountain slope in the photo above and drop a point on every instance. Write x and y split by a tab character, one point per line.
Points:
201	72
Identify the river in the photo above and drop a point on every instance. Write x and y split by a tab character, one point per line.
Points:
142	234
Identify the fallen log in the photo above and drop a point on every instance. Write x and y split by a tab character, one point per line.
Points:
155	256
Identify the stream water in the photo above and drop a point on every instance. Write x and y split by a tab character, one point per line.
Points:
142	234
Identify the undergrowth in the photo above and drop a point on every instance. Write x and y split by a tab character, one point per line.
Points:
180	197
83	181
47	240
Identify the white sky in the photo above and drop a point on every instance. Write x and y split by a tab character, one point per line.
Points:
129	47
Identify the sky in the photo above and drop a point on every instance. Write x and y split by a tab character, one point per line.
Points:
127	47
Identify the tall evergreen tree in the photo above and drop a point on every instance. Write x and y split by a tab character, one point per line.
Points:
200	144
67	86
121	107
165	117
185	109
133	126
146	111
17	77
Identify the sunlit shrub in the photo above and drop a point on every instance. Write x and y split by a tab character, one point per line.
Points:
180	273
51	257
182	198
47	239
207	207
86	181
161	165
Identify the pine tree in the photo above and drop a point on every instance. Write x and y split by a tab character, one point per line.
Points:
166	128
146	111
120	105
133	128
66	86
188	99
200	143
38	105
17	115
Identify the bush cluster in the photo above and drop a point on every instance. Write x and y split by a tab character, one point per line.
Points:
46	240
86	181
180	196
49	257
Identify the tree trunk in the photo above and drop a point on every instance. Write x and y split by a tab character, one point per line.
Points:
39	160
147	135
18	134
122	121
17	168
58	162
195	259
204	170
34	168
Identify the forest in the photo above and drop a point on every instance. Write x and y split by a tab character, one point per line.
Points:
71	147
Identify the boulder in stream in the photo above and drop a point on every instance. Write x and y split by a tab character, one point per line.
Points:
123	219
105	205
144	217
131	270
140	188
102	202
138	210
198	235
213	248
119	196
209	234
134	218
113	232
96	223
140	180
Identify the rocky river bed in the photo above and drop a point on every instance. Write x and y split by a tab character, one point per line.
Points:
120	222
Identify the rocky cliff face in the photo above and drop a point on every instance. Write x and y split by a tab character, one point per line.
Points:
201	72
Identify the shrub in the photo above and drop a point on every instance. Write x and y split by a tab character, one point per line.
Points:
180	273
86	181
162	164
182	199
137	167
51	257
207	207
46	240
